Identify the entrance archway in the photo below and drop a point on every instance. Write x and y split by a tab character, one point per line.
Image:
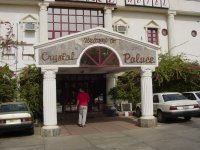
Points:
72	54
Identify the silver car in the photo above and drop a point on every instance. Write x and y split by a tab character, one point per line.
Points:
171	105
15	116
193	95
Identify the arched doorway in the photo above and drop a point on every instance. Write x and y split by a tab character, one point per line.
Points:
94	58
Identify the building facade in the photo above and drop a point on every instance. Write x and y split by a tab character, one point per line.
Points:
72	40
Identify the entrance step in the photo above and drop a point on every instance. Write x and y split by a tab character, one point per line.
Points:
70	116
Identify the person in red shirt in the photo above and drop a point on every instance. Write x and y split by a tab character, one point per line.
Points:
82	105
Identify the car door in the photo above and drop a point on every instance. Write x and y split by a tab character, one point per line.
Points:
155	104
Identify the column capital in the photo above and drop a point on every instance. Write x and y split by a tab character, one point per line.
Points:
43	5
111	76
54	69
109	8
171	12
49	73
147	71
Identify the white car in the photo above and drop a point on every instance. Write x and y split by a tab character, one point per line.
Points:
15	116
193	95
171	105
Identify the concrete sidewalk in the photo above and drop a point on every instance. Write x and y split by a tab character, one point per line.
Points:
175	135
97	125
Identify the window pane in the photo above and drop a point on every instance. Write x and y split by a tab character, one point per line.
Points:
57	34
94	13
80	27
72	19
87	12
64	18
72	27
79	19
50	18
64	33
64	26
101	20
64	11
72	11
56	18
100	13
50	35
50	26
56	11
57	26
94	25
87	27
87	19
94	20
50	10
79	12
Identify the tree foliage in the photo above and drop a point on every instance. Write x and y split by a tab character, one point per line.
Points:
8	85
128	87
175	74
172	74
31	89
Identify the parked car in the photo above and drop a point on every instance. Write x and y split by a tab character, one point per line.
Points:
171	105
16	116
193	95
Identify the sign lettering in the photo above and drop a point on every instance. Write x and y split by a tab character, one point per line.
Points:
149	3
99	40
128	59
97	1
55	58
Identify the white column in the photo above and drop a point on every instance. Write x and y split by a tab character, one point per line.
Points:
108	17
171	31
50	127
110	83
147	119
43	22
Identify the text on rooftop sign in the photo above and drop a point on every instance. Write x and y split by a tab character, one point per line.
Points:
98	1
149	3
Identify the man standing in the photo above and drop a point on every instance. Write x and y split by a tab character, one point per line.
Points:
82	105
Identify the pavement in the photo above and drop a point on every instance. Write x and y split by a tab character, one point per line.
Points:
112	133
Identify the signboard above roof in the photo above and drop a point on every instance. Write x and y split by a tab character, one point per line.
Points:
149	3
97	1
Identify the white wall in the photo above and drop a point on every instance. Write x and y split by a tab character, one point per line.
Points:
137	22
192	6
13	14
185	43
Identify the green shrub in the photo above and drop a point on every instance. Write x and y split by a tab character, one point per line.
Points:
31	89
8	85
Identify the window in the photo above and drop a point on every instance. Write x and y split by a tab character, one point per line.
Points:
190	96
65	21
152	34
155	99
99	57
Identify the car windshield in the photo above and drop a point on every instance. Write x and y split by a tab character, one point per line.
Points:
13	107
173	97
198	94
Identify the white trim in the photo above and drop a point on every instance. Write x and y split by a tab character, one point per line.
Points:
95	31
102	45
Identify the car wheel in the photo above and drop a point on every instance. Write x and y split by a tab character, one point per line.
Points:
138	112
187	118
160	116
